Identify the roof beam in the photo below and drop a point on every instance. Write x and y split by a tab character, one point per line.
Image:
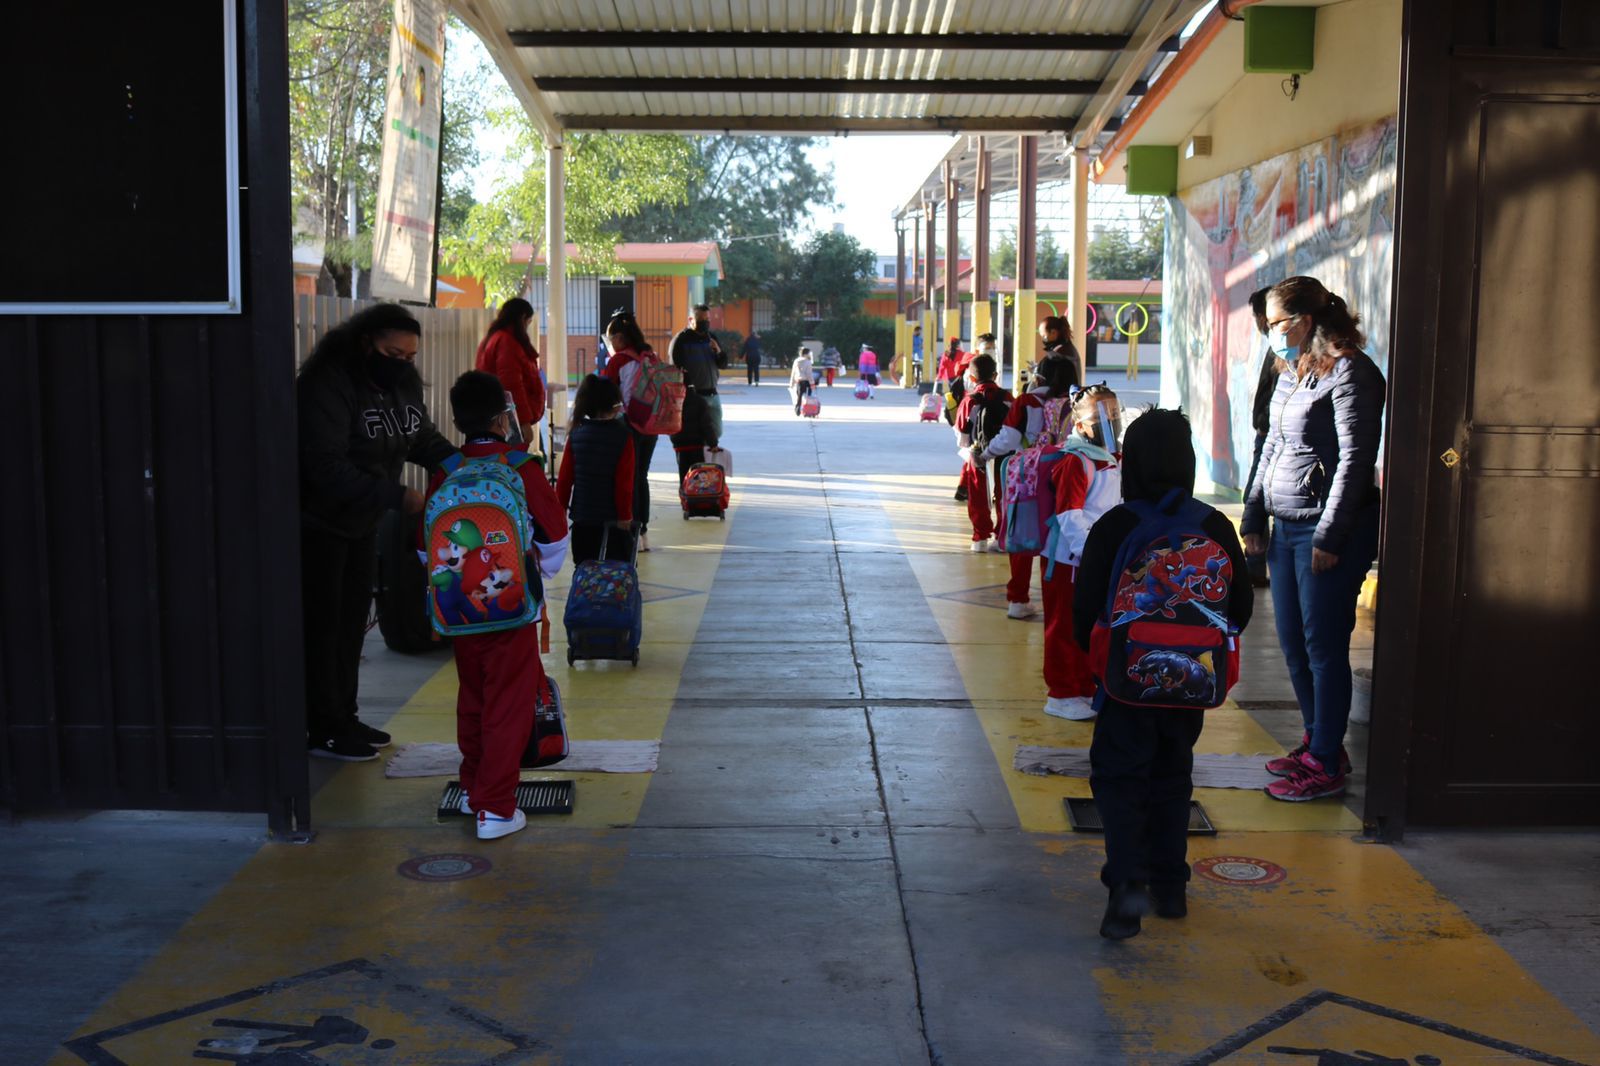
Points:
821	124
875	86
797	39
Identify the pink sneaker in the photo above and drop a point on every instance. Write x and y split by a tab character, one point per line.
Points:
1310	782
1288	764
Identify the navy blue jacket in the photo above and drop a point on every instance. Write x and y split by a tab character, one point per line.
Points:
1321	454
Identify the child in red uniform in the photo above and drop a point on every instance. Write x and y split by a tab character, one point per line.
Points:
1087	483
1034	422
979	418
499	674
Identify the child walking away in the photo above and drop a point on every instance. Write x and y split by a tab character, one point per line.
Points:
1084	483
494	532
1163	575
867	367
1041	418
703	491
979	419
800	379
652	392
595	485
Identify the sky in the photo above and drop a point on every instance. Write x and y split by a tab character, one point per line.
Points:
873	175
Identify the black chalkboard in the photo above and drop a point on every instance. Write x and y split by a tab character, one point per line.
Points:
115	177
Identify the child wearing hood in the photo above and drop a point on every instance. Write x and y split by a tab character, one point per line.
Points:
1142	758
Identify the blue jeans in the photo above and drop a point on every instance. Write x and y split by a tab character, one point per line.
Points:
1316	614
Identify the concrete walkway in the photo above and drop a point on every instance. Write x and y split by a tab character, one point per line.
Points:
834	861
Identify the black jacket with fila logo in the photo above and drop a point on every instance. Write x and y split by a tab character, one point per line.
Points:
354	438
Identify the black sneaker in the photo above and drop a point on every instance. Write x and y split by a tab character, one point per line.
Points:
345	749
1128	903
1171	901
376	737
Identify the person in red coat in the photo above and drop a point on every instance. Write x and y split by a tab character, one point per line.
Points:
508	354
500	676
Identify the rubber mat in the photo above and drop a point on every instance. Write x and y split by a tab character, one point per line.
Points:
533	797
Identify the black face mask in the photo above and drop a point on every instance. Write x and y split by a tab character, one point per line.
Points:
387	373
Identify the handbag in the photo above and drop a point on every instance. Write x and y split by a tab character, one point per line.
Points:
547	741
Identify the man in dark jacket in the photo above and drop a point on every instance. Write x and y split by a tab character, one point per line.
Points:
752	358
1141	758
699	354
1261	411
362	417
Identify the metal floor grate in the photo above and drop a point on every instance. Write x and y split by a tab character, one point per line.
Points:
1084	818
533	797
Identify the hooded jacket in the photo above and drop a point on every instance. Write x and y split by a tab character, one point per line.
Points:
354	437
1320	459
699	358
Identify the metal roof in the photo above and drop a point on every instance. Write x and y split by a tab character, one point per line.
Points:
821	66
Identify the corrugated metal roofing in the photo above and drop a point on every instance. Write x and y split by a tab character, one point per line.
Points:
622	96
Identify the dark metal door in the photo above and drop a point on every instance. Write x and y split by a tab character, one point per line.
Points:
1484	712
614	296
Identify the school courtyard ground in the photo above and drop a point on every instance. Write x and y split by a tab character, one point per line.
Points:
833	862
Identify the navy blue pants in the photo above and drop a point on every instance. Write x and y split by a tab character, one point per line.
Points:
1316	614
1140	763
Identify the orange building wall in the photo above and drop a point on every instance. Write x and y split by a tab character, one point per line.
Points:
738	316
879	307
472	294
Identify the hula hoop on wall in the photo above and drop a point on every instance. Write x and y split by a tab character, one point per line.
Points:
1126	332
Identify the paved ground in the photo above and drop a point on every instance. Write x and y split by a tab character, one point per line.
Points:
833	863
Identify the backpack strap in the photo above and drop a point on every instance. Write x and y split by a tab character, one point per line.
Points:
451	462
515	459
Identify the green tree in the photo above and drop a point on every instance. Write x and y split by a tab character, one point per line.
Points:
1114	255
1003	262
1052	261
849	332
834	269
748	193
605	173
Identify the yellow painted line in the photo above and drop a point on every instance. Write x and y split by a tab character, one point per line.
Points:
1350	918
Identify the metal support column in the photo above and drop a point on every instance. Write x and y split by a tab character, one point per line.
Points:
952	253
980	255
1025	331
1078	309
930	335
556	287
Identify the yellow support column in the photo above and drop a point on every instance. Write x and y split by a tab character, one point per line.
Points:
1025	331
980	320
902	351
952	324
930	346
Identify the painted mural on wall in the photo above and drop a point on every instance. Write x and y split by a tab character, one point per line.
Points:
1327	210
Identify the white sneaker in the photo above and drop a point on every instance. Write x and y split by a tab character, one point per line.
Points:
491	827
1072	708
1020	610
980	546
465	806
644	542
996	546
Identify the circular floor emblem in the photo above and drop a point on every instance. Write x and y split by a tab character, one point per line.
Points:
444	867
1235	870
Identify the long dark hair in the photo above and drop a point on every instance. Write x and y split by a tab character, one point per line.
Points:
1335	329
625	324
1062	345
596	396
1056	373
511	318
348	343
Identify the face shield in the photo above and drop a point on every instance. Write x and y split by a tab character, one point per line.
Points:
1108	424
514	427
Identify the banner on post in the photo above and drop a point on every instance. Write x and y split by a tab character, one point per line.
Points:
402	232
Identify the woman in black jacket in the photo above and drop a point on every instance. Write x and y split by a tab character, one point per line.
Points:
1318	481
362	417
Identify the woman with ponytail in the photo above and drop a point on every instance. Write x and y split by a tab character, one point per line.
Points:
1318	481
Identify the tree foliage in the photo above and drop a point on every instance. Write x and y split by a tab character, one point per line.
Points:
750	194
1051	260
849	332
338	75
1114	256
605	173
833	269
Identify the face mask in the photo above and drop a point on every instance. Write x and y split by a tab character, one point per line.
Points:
386	373
1279	343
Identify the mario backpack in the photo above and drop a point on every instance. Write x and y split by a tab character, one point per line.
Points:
478	535
1163	638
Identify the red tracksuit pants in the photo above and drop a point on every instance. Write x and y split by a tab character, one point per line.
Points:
1066	666
500	676
979	510
1018	588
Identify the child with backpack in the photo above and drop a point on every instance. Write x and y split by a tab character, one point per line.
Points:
979	419
1162	577
1041	418
494	531
699	432
631	357
1085	483
595	484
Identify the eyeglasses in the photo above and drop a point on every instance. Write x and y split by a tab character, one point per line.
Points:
1284	321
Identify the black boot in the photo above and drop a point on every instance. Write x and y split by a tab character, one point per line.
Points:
1171	900
1128	903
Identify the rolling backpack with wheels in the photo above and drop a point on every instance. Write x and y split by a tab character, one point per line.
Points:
478	535
811	407
604	617
547	740
929	406
1163	638
863	390
704	491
